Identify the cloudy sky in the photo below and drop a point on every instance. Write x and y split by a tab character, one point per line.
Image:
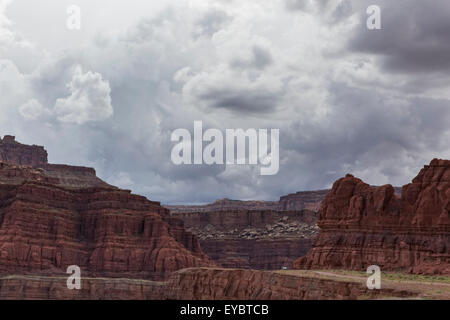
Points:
375	103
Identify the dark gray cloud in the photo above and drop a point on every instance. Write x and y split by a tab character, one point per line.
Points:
366	132
260	58
415	36
211	22
241	100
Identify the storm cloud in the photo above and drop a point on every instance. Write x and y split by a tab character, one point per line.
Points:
374	103
416	37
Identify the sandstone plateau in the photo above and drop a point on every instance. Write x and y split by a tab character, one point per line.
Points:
291	202
362	225
53	216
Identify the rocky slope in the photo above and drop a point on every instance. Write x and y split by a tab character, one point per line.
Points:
254	239
53	216
362	225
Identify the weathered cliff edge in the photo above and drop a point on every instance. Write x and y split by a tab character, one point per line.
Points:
252	239
292	202
362	225
14	152
198	284
54	216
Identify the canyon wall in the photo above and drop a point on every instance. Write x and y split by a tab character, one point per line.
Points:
53	216
362	225
303	200
253	239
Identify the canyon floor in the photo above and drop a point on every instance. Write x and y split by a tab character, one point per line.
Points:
420	286
233	284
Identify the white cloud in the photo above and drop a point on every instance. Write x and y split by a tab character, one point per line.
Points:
121	179
89	99
32	109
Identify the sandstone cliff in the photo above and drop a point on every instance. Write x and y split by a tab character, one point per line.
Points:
14	152
303	200
362	225
53	216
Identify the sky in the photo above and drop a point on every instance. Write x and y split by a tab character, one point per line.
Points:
346	99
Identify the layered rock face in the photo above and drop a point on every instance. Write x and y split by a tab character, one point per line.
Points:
53	216
55	288
303	200
235	284
254	234
362	225
259	254
253	239
14	152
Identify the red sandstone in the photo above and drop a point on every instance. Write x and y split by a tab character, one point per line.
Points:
253	239
362	225
53	216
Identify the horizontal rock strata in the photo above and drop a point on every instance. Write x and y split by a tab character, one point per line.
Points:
253	239
197	284
54	216
362	225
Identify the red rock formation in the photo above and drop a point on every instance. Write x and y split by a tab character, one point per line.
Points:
198	284
303	200
225	205
235	284
260	254
16	153
254	239
251	234
55	216
55	288
363	225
